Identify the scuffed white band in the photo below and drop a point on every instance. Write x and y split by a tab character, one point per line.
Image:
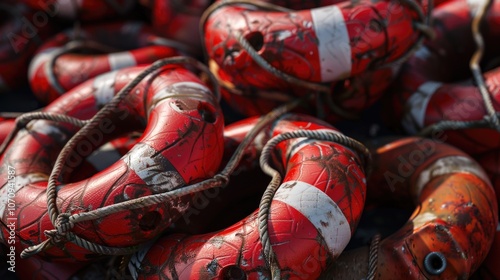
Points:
333	43
104	88
121	60
153	168
414	118
320	210
448	165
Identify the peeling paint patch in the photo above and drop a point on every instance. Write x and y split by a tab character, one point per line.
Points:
153	168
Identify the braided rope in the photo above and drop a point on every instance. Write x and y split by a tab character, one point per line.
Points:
265	203
373	257
64	222
491	116
320	89
25	118
424	28
491	119
68	48
70	146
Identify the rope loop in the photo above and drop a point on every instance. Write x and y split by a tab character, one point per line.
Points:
323	91
64	222
265	203
492	118
373	257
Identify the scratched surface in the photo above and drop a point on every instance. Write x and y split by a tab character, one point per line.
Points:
72	69
293	230
290	43
343	45
454	212
454	96
179	137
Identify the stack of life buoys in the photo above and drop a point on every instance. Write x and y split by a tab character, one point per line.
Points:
132	168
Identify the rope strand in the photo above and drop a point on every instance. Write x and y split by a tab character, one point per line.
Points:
23	120
373	257
265	203
64	222
491	119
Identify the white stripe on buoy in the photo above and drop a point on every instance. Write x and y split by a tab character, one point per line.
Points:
55	132
14	185
182	89
448	165
414	119
104	88
135	262
104	157
334	45
153	168
320	210
121	60
40	58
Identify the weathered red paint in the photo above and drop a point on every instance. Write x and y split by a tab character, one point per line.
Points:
377	34
183	132
135	45
416	103
300	247
455	214
180	19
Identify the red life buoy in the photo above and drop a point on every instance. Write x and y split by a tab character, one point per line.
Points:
435	83
21	33
452	228
324	44
312	216
58	67
180	19
296	53
181	144
103	157
86	10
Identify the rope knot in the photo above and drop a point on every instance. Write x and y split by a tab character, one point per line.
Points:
53	236
223	179
63	223
62	227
